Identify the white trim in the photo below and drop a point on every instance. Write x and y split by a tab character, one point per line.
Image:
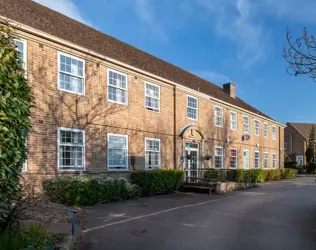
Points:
152	139
299	157
274	135
254	124
126	157
236	158
83	151
107	88
243	123
274	154
145	92
83	77
216	106
215	147
254	160
196	109
264	158
265	123
81	49
233	112
246	150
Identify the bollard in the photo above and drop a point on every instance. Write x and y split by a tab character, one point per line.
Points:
73	219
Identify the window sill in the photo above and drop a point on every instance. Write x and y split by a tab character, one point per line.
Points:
120	103
71	92
119	170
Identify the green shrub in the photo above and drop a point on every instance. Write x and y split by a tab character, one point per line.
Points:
288	173
34	237
211	174
279	174
85	190
240	175
157	182
256	175
15	105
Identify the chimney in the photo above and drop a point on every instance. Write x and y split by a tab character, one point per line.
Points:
230	89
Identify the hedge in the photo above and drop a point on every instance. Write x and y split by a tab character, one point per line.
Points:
15	108
85	190
251	175
157	182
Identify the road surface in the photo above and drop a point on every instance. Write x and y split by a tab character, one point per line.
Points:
279	215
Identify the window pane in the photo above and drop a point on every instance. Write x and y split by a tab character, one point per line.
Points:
117	80
116	141
192	102
152	145
117	157
152	90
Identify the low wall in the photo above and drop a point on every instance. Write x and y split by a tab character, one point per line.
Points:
224	187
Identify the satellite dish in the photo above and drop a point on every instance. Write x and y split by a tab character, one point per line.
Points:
246	137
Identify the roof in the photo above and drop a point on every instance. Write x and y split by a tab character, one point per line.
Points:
53	23
302	128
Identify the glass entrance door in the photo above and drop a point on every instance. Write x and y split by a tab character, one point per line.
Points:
191	161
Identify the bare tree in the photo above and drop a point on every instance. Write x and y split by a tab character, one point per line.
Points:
300	54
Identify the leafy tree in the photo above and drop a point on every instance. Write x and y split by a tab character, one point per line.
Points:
311	148
300	54
15	105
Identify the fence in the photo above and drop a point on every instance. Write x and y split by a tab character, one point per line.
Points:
216	175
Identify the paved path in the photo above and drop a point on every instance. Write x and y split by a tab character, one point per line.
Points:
280	215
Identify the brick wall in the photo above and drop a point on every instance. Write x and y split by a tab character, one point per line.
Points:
298	143
98	117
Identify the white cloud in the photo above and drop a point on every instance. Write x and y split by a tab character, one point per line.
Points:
213	76
299	11
237	21
66	7
146	13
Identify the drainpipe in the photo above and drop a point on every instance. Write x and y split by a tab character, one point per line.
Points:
280	148
174	128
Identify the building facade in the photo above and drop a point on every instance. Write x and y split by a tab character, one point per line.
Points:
110	108
296	140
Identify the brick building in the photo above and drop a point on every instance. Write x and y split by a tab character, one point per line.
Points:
296	141
101	102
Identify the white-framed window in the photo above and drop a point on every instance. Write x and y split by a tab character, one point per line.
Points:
192	108
257	159
117	152
152	96
265	130
285	146
152	153
233	158
266	160
219	117
274	132
257	127
219	157
233	120
71	74
71	149
246	124
274	160
21	47
117	87
246	159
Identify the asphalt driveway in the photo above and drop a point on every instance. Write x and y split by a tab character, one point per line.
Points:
279	215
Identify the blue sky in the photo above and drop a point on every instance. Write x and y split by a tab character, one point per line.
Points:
220	40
